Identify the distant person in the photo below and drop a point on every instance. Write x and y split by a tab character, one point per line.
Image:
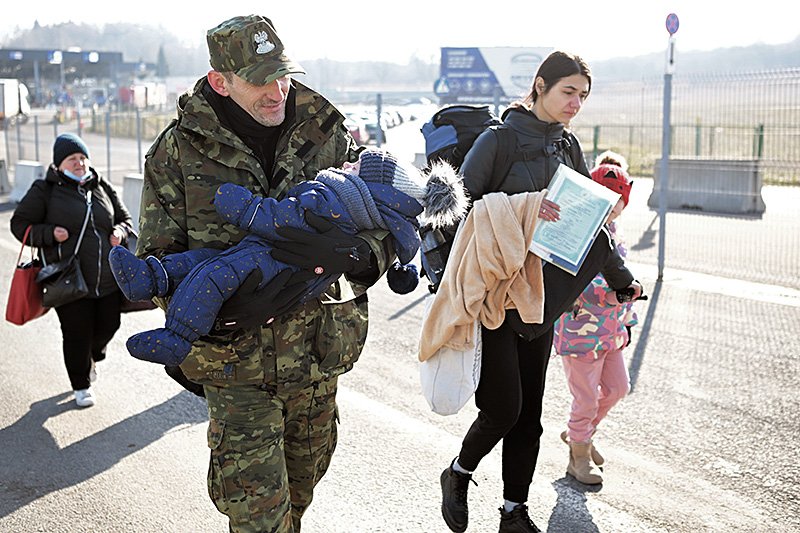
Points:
515	355
56	208
591	336
270	387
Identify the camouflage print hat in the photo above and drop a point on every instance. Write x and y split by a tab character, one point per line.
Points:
250	48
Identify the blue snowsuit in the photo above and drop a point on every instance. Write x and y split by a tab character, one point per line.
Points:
205	278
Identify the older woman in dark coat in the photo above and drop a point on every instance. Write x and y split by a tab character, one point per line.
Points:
55	208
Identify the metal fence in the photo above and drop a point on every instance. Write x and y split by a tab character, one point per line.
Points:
734	181
117	140
734	170
734	116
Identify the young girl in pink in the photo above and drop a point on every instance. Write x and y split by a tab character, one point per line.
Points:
591	337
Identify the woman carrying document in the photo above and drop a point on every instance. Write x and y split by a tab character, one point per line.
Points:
515	355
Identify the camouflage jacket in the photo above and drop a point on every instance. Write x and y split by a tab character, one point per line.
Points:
592	325
191	158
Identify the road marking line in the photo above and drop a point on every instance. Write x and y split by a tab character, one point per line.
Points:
736	288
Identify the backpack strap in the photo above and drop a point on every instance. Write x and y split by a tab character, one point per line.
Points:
573	149
508	153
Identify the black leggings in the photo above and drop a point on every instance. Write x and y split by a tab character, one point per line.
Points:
509	398
87	325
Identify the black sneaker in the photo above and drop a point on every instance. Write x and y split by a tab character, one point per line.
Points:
454	499
517	521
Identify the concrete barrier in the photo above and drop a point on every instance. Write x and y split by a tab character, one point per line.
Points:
712	185
5	185
25	173
132	195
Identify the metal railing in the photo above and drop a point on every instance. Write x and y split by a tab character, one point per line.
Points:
753	115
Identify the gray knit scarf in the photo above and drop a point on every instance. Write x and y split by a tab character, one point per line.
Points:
356	197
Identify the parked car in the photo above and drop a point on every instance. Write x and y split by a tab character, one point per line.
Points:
370	125
357	128
375	133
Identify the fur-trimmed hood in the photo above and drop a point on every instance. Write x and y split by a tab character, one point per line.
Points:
445	201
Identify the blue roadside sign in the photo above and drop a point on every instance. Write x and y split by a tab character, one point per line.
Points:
440	87
672	23
477	75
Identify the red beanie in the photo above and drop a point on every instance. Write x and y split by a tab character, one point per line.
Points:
614	178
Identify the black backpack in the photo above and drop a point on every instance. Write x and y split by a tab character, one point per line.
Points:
449	135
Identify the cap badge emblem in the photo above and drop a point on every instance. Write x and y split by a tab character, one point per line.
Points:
262	41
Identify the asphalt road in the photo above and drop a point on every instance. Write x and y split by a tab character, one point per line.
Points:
706	441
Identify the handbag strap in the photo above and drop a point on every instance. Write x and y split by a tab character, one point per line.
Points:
85	221
83	229
22	248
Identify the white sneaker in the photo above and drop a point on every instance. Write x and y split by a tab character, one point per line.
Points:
84	398
92	373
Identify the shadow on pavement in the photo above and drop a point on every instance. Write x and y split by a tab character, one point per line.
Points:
409	307
570	513
34	465
641	343
648	237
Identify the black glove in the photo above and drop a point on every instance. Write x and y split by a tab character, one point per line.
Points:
329	251
250	306
177	374
626	295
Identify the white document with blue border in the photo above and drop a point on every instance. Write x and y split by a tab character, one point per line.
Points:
585	205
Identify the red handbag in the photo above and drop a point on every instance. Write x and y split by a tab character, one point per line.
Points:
25	295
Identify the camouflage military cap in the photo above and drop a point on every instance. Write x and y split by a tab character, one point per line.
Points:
250	48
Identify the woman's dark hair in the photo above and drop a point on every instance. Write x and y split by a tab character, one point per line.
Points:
556	66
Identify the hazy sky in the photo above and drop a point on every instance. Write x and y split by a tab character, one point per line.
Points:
396	30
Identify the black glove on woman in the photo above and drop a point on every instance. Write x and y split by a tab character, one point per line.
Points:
329	251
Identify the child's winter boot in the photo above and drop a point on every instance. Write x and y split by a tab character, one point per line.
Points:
159	346
597	457
138	279
579	465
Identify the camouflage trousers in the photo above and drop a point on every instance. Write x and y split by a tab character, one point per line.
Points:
268	451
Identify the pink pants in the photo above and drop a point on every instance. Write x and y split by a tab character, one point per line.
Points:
596	386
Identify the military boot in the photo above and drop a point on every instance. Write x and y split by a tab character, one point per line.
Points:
517	521
454	499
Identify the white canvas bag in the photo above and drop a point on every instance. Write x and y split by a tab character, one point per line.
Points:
450	377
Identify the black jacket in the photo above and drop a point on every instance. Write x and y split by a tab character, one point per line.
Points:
525	176
561	288
59	201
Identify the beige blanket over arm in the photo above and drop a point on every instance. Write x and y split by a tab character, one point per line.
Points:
489	270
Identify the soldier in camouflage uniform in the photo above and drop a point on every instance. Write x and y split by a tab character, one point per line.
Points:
270	384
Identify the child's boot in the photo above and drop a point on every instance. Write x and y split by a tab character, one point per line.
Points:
595	454
597	457
580	467
138	279
161	346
